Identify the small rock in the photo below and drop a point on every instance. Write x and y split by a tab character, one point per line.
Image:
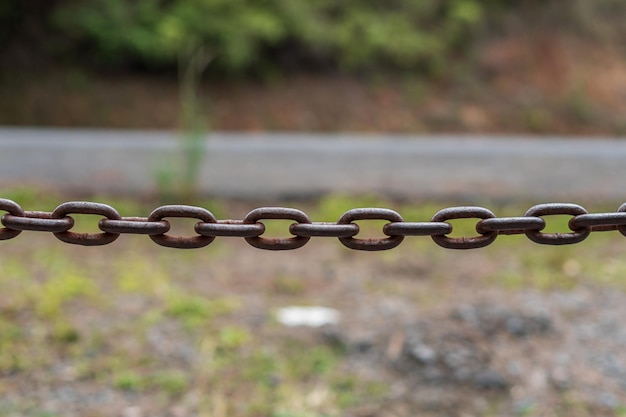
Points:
523	325
344	339
538	379
432	374
608	400
492	319
315	316
179	411
424	354
490	379
455	359
462	374
132	411
560	379
524	407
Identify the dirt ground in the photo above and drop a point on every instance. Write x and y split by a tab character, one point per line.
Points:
518	84
133	329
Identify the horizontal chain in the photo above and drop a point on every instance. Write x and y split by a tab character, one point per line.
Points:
488	227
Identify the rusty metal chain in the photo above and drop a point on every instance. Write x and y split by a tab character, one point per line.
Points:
251	228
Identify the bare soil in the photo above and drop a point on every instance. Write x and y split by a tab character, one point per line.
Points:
524	83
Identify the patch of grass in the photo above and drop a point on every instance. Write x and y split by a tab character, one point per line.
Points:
173	382
552	268
11	362
12	270
536	120
233	337
620	411
61	288
195	310
134	275
287	285
579	106
286	413
31	198
262	368
129	381
65	333
304	362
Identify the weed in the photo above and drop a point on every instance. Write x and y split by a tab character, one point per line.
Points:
65	333
194	310
536	120
305	362
11	363
233	337
129	381
579	106
525	409
61	288
138	276
296	414
552	269
262	368
287	285
32	197
173	382
415	90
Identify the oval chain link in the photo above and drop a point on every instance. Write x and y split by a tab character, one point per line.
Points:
14	209
233	228
321	229
470	242
417	228
134	226
510	225
181	211
277	213
84	207
370	214
577	235
599	222
38	221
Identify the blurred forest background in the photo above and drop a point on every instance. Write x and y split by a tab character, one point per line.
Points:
549	66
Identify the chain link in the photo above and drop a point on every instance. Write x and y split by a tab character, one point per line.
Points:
370	214
577	235
84	207
38	221
277	213
14	209
470	242
234	228
251	228
182	242
135	226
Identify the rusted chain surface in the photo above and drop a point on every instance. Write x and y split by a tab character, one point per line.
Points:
85	207
252	228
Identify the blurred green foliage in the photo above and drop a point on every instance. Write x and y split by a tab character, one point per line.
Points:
257	37
246	35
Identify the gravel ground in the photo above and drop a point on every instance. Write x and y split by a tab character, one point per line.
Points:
441	331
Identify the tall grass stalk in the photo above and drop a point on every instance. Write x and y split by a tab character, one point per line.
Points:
193	60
